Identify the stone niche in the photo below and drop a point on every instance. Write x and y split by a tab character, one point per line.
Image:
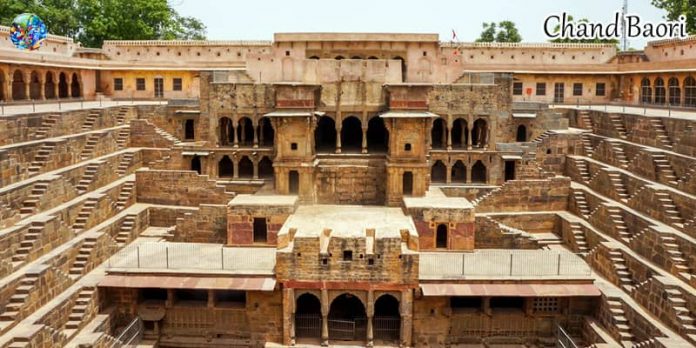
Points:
443	223
256	219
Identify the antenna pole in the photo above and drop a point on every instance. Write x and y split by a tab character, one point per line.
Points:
624	29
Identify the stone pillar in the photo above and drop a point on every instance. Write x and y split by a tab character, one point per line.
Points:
42	90
448	131
235	143
170	298
487	138
370	317
27	86
256	135
256	169
364	140
468	174
448	173
468	139
261	132
487	306
406	309
211	298
235	167
443	138
55	90
338	139
324	318
289	316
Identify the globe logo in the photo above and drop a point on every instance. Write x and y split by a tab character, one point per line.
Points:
28	31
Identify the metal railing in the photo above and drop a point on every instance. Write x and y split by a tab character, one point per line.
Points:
53	105
193	256
563	339
502	263
131	335
635	108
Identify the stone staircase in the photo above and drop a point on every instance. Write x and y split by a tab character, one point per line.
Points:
167	136
582	169
91	118
618	125
616	216
46	125
680	265
619	188
670	210
541	137
663	169
618	317
31	204
19	298
587	144
122	138
41	158
125	233
619	263
121	115
661	131
29	239
684	317
78	267
87	177
579	236
585	119
619	154
581	203
125	195
84	214
80	312
124	164
90	144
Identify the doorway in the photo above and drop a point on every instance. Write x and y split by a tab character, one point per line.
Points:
347	319
293	182
509	170
558	92
159	87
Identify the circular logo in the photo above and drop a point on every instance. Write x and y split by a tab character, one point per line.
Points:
28	31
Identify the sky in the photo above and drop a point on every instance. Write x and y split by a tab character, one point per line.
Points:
259	19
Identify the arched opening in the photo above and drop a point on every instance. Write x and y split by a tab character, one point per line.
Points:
347	319
50	86
75	87
246	168
314	57
293	182
34	86
521	133
245	132
196	164
265	168
674	91
387	319
189	130
377	135
479	134
407	184
441	236
403	67
438	137
225	167
660	91
3	97
340	58
62	86
459	172
266	133
226	131
325	135
308	317
351	135
645	91
355	57
478	173
372	57
18	86
460	133
438	172
690	91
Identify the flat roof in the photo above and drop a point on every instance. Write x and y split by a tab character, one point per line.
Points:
515	290
348	221
187	282
435	198
262	200
395	37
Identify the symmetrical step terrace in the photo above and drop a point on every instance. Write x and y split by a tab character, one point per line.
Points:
580	240
41	158
90	120
671	211
581	202
585	119
617	123
121	115
587	144
661	132
664	169
619	153
84	214
29	239
30	205
77	268
125	195
19	298
46	125
619	187
90	144
122	138
80	311
125	162
625	279
88	176
125	233
617	219
620	322
674	254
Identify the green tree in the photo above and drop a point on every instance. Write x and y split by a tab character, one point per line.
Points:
90	22
488	33
676	8
505	31
557	29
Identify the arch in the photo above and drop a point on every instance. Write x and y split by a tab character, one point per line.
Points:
266	134
3	96
478	172
245	132
34	86
355	57
441	236
340	58
377	135
521	133
645	91
479	133
660	91
189	129
246	168
674	91
347	308
307	316
351	134
75	91
225	167
314	57
265	168
407	183
293	182
372	57
458	172
690	91
50	85
460	133
196	164
62	85
438	172
226	136
438	138
325	135
387	319
18	91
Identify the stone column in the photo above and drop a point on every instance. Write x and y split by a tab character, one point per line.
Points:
443	138
42	89
448	131
338	139
324	318
468	139
487	138
406	311
211	298
468	174
55	90
256	169
256	135
364	140
487	306
289	316
448	174
235	143
235	167
27	86
370	317
261	132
